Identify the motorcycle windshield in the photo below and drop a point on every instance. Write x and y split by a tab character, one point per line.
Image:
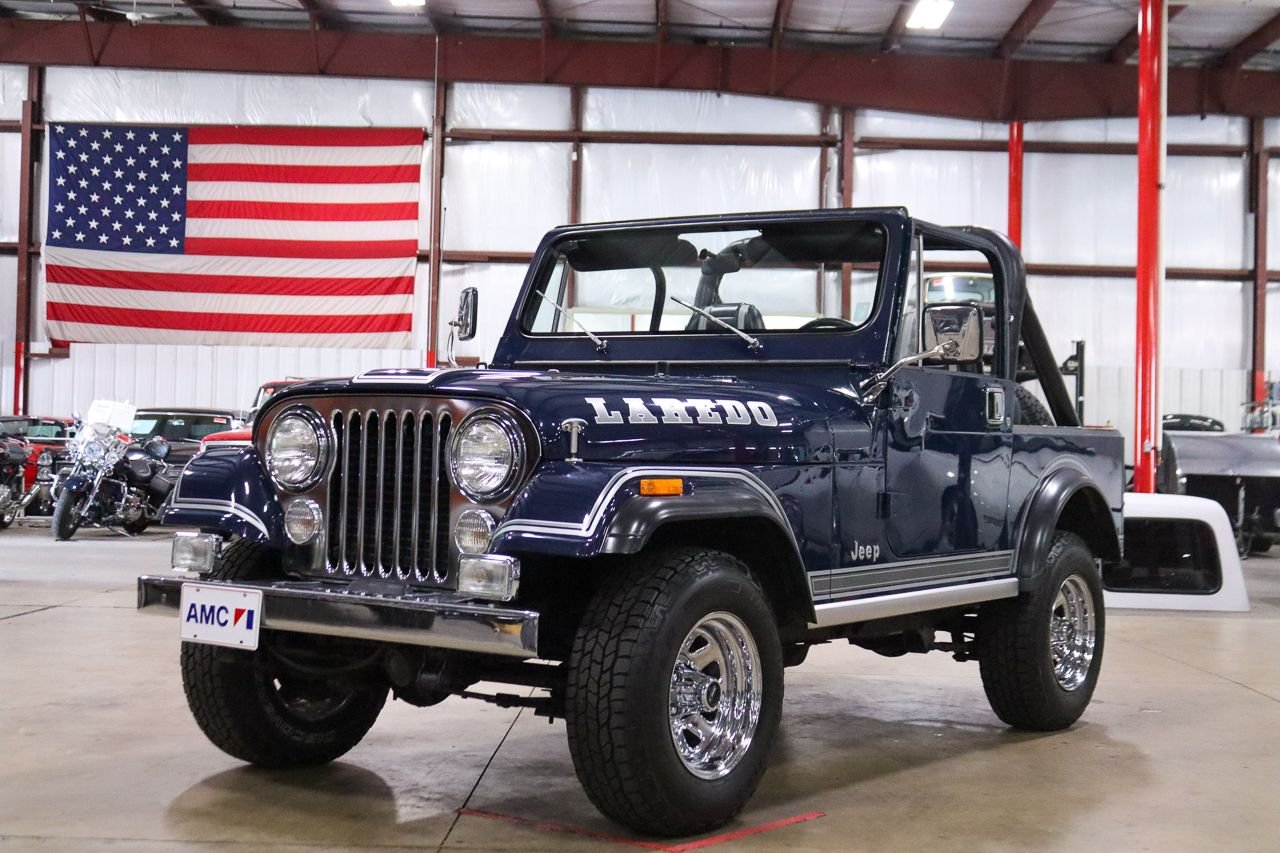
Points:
112	413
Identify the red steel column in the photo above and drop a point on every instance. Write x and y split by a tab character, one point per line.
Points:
1151	107
1015	182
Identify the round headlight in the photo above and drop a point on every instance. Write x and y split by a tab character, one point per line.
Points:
472	531
485	455
45	459
93	451
297	446
302	520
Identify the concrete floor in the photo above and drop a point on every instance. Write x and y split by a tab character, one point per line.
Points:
98	751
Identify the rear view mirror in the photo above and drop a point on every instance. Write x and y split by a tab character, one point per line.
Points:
464	328
960	322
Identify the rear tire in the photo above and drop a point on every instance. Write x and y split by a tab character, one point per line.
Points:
271	720
674	692
1040	653
1260	545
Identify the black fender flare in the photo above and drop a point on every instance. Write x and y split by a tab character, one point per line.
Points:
636	521
1067	497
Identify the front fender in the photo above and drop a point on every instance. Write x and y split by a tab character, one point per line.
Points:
1066	498
226	489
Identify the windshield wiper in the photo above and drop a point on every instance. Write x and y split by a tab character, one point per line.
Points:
602	345
753	343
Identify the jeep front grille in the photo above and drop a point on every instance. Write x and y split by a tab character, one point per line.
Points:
388	496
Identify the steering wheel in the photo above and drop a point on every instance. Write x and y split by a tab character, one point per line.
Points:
828	323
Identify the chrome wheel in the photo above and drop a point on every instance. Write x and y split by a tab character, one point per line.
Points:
1072	632
715	695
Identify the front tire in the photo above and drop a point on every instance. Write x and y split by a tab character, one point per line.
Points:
1040	653
274	720
674	692
66	514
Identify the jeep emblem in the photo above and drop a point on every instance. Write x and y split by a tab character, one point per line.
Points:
693	410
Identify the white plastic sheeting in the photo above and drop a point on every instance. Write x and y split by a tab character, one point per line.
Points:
498	285
629	181
696	112
10	174
877	123
116	95
161	375
8	329
493	107
947	187
503	196
1184	130
13	90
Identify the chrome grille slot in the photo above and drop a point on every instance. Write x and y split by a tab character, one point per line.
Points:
388	495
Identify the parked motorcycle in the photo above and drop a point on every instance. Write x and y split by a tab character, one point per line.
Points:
13	458
112	482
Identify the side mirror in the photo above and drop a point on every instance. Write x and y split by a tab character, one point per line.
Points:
464	328
958	322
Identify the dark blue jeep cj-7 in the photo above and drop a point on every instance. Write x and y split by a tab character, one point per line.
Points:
703	446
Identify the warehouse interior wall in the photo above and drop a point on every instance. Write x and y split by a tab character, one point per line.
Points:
499	197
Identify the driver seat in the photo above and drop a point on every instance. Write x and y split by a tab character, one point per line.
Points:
741	315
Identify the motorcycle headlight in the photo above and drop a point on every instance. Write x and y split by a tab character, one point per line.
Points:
485	455
93	452
297	449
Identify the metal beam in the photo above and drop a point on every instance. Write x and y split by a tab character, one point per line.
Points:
325	16
100	11
1259	162
1022	27
893	36
544	18
29	145
781	13
211	15
1128	46
1252	44
935	85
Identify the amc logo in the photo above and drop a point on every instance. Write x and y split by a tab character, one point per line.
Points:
220	615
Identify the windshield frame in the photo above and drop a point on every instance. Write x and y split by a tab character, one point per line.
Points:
864	344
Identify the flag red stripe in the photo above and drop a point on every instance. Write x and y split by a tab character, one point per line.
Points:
302	212
245	247
353	136
251	284
253	172
314	324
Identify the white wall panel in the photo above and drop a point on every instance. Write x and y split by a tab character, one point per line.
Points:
696	112
1080	209
1210	130
1273	330
115	95
1204	211
499	284
504	195
628	181
162	375
950	188
10	175
508	107
1273	226
13	90
907	125
8	329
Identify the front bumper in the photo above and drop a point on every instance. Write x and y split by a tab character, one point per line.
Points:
437	619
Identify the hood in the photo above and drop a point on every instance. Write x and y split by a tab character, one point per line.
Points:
1224	454
630	419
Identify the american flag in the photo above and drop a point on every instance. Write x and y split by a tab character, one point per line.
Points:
232	235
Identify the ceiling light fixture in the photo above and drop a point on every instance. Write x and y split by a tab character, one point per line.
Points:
926	14
408	2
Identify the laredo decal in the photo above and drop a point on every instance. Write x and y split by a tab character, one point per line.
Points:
672	411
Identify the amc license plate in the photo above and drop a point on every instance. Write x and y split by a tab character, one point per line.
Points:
220	616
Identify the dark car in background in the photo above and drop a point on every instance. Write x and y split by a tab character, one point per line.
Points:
183	428
1192	423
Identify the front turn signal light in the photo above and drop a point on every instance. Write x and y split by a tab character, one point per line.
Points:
662	488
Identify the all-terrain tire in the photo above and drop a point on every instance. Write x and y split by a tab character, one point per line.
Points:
66	515
1031	412
1260	544
630	666
265	719
1039	663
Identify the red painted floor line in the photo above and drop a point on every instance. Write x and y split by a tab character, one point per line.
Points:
647	845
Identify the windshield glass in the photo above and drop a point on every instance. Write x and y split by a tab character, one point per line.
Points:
816	277
178	426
